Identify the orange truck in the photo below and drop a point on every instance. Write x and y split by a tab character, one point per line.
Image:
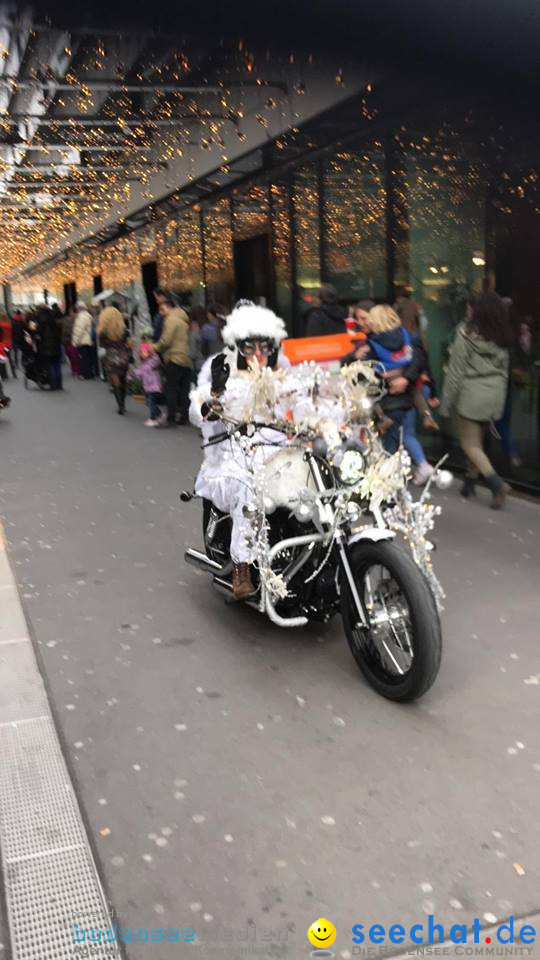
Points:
324	350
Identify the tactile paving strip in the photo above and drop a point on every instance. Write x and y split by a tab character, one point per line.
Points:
47	899
53	891
50	877
38	809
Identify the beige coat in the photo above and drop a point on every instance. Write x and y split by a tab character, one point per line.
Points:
82	330
174	343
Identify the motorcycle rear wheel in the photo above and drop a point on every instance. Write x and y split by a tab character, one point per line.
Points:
400	652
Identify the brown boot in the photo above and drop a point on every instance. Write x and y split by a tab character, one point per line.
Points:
242	582
499	489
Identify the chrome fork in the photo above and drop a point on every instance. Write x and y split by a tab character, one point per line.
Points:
327	517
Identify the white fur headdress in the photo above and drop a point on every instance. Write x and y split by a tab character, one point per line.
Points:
249	320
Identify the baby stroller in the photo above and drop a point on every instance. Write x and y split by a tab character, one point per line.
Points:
4	401
35	370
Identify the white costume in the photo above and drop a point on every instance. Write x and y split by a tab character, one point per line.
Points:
259	395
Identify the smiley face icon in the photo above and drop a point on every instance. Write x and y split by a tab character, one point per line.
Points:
322	933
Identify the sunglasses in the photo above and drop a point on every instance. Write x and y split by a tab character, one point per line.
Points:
248	347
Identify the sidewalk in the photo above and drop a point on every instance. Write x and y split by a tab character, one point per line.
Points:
49	877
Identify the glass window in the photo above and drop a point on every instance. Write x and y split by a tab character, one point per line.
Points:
250	212
307	235
121	262
147	243
355	222
167	250
188	270
281	250
446	190
219	252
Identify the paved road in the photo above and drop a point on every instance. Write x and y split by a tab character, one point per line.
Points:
247	775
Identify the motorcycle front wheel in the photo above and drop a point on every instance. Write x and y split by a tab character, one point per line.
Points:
399	651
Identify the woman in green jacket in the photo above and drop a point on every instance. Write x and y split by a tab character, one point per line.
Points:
475	387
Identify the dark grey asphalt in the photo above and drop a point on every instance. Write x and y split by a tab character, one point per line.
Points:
247	775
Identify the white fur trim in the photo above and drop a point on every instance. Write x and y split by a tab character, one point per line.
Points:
252	321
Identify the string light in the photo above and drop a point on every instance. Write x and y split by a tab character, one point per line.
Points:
438	195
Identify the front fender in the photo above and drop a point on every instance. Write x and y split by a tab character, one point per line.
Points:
371	533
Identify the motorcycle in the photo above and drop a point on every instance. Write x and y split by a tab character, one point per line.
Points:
325	525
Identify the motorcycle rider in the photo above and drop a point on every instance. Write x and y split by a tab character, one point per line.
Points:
239	381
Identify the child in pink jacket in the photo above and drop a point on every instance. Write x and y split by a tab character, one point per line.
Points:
148	373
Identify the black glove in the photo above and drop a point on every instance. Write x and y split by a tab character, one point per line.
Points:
220	373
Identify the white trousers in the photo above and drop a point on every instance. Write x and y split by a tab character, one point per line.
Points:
231	495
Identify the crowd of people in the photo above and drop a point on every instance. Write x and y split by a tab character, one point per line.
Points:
476	393
100	344
171	352
38	340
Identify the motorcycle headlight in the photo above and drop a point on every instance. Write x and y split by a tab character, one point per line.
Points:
351	467
304	512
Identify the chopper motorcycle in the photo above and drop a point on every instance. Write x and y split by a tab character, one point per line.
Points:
325	519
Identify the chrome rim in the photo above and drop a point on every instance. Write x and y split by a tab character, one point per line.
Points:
387	642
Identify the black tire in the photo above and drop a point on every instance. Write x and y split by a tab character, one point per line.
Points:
425	625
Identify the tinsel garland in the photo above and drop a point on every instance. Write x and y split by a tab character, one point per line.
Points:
384	484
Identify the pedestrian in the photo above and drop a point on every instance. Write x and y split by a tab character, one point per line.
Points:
197	319
359	312
82	338
94	354
517	352
328	316
50	346
17	329
408	312
211	338
32	359
3	358
157	319
390	344
114	338
71	352
147	371
475	387
425	397
173	347
6	337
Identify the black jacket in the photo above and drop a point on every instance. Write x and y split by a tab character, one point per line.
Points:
50	330
328	318
17	330
404	401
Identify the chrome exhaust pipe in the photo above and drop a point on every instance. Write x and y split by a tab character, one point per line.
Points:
199	559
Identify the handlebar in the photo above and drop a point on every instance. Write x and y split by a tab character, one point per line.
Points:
240	426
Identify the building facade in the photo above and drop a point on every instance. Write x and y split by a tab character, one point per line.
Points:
423	185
